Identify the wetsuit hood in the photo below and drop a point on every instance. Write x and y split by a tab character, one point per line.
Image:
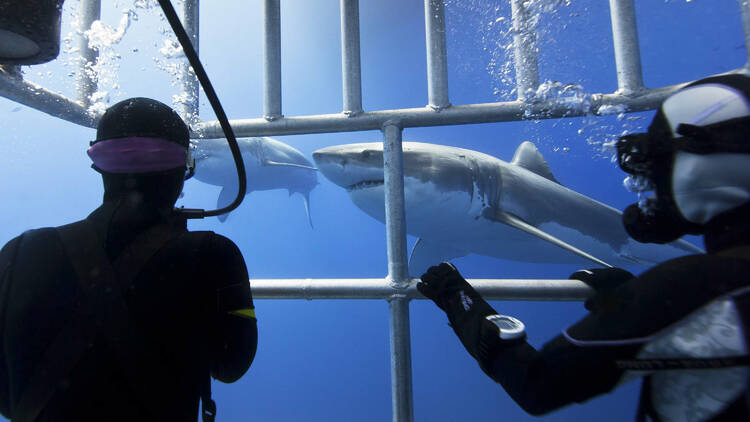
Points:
694	157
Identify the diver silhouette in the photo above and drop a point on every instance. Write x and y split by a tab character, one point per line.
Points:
124	315
683	325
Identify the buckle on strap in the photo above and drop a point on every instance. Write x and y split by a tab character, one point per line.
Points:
208	410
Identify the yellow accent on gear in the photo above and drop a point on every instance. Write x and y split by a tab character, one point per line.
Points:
248	313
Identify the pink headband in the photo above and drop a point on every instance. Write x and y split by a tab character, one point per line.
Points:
137	155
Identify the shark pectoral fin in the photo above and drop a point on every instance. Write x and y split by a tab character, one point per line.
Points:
425	254
513	221
276	163
226	196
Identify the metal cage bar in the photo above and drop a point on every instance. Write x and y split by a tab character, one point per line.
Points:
745	14
190	88
14	88
426	116
271	60
524	51
401	385
627	49
351	71
398	273
395	216
86	83
380	288
437	55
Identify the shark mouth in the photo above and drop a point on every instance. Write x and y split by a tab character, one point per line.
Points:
364	185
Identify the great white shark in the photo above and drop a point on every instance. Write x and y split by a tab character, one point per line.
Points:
269	164
460	201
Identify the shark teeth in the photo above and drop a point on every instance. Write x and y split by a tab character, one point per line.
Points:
366	184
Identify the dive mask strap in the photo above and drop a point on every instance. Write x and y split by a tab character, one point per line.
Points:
729	136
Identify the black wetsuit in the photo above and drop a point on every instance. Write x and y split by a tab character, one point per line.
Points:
581	363
173	303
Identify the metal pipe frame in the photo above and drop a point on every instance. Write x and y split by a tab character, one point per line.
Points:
401	383
398	273
59	106
627	48
14	88
524	51
454	115
86	84
351	70
437	56
382	288
271	60
189	108
745	14
395	218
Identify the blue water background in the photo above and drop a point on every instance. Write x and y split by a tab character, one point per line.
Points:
329	360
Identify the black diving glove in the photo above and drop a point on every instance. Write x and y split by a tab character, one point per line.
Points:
604	281
466	310
602	278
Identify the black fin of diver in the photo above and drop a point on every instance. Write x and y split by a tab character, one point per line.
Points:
528	157
425	254
513	221
226	196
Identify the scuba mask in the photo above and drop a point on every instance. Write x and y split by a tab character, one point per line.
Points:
649	157
140	155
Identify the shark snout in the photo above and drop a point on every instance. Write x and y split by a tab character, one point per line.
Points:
328	156
348	165
332	163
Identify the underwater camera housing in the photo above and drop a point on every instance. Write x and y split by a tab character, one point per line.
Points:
29	31
30	34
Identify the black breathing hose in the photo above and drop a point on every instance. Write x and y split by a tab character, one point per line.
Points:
192	56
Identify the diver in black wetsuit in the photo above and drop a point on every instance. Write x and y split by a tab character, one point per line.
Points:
683	325
124	315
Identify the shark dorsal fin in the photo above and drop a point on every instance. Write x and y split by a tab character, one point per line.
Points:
528	157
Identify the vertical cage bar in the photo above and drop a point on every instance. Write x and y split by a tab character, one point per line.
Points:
745	13
271	59
395	218
524	51
627	49
401	386
437	57
88	12
190	89
398	274
350	61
